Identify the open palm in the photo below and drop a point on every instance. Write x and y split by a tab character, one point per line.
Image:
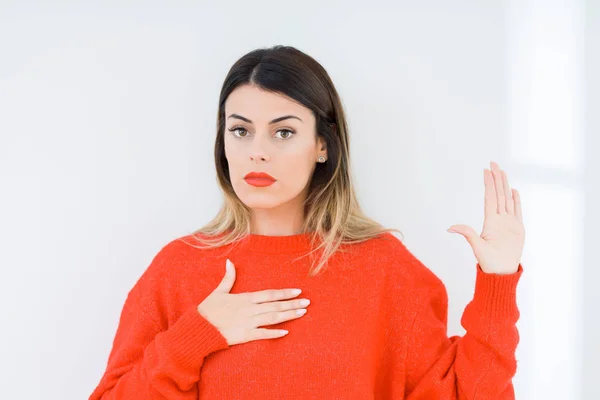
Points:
499	248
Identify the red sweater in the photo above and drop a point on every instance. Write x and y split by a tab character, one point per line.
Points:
376	328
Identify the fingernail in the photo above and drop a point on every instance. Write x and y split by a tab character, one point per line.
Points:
228	265
296	292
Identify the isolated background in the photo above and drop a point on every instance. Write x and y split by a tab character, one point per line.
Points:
107	122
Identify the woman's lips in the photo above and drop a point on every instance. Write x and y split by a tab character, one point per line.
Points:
259	179
259	182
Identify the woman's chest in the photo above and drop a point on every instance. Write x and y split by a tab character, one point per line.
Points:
330	352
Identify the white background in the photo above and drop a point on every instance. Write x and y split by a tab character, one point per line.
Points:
107	123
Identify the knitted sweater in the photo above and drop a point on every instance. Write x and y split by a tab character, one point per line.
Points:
376	328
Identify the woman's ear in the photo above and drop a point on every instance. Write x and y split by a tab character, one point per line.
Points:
322	146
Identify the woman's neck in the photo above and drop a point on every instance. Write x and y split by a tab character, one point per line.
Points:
277	222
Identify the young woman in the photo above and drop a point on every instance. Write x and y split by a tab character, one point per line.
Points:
215	315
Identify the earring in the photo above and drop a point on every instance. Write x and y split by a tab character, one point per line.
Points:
321	159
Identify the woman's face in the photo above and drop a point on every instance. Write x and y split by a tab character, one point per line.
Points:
270	133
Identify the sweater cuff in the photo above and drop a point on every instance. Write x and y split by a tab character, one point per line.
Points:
192	338
496	295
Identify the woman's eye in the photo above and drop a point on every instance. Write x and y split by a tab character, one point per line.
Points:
235	131
288	133
242	133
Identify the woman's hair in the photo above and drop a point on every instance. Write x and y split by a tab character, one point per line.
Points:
332	214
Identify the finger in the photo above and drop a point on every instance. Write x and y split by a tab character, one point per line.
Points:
510	203
229	278
261	333
264	296
490	201
276	317
518	207
278	306
499	186
468	233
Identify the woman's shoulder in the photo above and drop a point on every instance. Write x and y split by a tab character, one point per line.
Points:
175	250
176	259
401	264
173	255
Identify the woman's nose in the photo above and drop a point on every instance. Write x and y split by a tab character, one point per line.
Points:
257	152
258	158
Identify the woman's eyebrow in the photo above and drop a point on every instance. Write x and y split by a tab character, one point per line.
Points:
270	123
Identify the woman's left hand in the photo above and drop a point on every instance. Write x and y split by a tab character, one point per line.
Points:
499	247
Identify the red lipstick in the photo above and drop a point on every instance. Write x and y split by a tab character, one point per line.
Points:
259	179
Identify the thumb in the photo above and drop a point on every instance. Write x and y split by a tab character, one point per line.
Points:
229	278
469	233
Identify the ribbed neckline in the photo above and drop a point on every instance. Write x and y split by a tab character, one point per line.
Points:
300	242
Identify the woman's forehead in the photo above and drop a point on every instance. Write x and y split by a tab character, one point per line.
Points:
261	106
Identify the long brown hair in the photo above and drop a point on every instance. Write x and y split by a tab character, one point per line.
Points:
332	214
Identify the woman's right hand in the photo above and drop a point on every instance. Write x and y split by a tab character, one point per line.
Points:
238	316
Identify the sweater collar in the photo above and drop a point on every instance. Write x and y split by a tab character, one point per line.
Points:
296	243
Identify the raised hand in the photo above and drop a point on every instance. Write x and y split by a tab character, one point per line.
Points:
238	316
499	247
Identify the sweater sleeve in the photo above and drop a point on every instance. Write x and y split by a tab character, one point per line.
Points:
478	365
150	359
147	363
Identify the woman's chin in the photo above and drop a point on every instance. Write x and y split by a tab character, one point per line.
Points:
260	201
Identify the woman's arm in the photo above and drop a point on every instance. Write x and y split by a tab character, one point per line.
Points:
150	358
420	361
149	363
478	365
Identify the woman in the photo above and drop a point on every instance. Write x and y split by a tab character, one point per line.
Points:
215	316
